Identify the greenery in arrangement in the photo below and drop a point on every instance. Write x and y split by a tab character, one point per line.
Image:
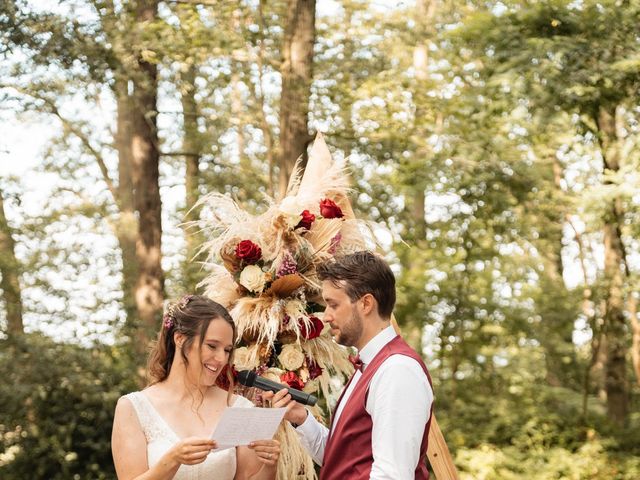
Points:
492	146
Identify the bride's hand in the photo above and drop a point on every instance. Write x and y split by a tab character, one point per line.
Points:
267	451
192	450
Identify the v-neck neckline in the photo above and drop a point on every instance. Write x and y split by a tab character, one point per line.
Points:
162	419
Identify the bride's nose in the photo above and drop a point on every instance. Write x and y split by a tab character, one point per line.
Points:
221	356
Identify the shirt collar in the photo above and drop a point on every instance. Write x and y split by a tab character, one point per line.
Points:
371	349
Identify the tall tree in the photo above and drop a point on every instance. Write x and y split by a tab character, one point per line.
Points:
145	157
567	64
546	213
607	121
296	73
191	146
112	48
126	225
425	17
416	180
10	275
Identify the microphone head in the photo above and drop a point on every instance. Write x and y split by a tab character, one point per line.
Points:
247	378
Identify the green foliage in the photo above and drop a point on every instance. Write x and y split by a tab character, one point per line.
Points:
589	462
57	408
508	424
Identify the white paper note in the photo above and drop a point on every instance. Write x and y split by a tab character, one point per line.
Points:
240	426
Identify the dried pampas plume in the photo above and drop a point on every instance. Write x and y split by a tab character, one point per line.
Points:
263	269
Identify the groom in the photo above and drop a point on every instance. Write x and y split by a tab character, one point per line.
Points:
380	426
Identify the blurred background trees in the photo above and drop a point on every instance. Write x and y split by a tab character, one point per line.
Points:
497	142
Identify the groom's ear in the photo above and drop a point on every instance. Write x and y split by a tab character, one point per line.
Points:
368	304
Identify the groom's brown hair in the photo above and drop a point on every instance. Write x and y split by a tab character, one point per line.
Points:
360	273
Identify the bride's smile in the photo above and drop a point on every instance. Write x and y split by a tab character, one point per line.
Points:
214	351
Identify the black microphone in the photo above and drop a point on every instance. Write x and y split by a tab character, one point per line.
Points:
250	379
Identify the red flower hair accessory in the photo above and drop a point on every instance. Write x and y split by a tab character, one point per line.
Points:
169	318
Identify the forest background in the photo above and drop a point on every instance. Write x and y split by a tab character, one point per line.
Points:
497	142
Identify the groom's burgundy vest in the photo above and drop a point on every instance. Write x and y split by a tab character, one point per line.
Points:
348	453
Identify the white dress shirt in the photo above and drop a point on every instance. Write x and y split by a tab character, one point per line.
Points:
399	403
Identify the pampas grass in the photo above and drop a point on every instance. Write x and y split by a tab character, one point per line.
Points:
275	315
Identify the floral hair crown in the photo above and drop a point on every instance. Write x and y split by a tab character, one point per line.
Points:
169	318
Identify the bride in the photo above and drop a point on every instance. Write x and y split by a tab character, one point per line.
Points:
163	432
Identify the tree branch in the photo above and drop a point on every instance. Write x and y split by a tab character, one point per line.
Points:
73	129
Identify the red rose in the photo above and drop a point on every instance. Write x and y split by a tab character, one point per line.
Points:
314	330
307	219
329	209
248	251
291	379
314	369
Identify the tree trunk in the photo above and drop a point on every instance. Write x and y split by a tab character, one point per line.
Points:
635	342
556	328
191	147
296	72
127	226
149	288
599	350
425	15
257	92
237	108
414	265
616	378
10	272
590	312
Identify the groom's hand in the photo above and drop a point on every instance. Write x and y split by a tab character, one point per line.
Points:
267	451
296	413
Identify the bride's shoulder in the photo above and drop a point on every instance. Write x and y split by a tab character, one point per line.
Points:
128	396
125	406
139	396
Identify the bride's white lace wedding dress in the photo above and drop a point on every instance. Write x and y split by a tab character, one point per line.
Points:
160	438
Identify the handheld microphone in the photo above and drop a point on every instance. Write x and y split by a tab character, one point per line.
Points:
250	379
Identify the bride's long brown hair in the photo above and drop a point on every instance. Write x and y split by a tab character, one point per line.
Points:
191	317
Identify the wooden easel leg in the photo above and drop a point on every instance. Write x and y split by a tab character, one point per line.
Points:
439	455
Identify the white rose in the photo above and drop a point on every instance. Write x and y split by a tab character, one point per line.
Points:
242	359
291	357
252	278
290	207
273	374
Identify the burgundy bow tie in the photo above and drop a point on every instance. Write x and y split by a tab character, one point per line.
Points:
357	363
